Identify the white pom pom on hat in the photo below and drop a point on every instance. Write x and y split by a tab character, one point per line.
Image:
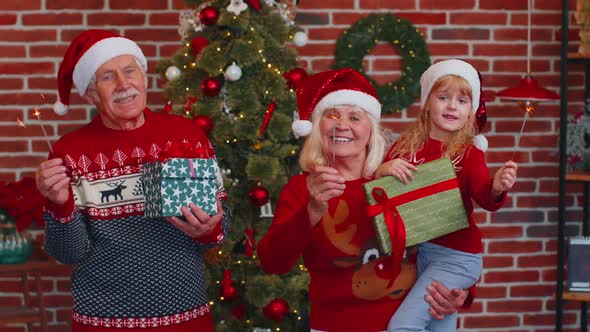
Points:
85	54
481	142
324	90
301	128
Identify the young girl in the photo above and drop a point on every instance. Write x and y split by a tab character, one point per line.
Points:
446	128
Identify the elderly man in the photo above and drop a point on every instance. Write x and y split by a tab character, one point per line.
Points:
132	273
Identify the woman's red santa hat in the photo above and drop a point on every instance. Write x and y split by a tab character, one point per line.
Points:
328	89
86	53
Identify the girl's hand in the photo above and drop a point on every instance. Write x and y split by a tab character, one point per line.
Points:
399	168
323	183
504	178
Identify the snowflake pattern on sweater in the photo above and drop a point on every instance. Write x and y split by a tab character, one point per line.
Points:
130	270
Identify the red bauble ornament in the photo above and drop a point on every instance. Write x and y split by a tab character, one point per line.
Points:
276	310
209	15
294	76
259	195
211	86
198	43
205	123
228	291
168	107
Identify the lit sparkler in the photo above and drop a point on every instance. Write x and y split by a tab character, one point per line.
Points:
37	114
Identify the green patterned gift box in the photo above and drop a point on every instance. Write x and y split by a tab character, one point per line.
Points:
429	206
177	182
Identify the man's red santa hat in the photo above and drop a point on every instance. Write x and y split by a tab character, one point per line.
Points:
86	53
328	89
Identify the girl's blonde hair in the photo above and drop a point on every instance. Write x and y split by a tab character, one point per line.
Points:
413	138
311	153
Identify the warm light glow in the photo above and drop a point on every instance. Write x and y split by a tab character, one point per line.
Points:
528	106
36	112
20	123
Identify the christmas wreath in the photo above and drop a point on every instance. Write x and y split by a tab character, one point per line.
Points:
363	36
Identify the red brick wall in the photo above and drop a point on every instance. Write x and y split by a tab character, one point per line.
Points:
515	293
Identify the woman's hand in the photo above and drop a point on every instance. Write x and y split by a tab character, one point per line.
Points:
198	223
399	168
443	301
323	183
504	178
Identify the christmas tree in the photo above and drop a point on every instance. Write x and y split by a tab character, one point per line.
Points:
235	76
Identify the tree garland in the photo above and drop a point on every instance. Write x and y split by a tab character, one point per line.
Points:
362	37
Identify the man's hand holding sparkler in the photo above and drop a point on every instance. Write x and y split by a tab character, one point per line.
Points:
52	180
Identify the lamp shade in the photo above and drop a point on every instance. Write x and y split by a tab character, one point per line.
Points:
527	90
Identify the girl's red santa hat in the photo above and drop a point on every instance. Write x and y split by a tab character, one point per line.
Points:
86	53
328	89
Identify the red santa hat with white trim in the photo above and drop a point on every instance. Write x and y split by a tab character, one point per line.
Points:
86	53
328	89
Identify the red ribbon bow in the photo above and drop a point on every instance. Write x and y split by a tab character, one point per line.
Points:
395	226
186	150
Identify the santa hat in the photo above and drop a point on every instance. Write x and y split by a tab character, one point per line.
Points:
464	70
86	53
328	89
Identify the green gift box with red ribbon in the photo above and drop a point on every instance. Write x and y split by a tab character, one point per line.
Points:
427	207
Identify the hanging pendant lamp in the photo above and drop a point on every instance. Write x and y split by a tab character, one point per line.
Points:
528	92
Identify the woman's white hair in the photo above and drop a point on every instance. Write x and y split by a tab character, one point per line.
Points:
311	153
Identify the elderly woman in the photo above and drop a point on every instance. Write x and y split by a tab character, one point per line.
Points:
322	213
